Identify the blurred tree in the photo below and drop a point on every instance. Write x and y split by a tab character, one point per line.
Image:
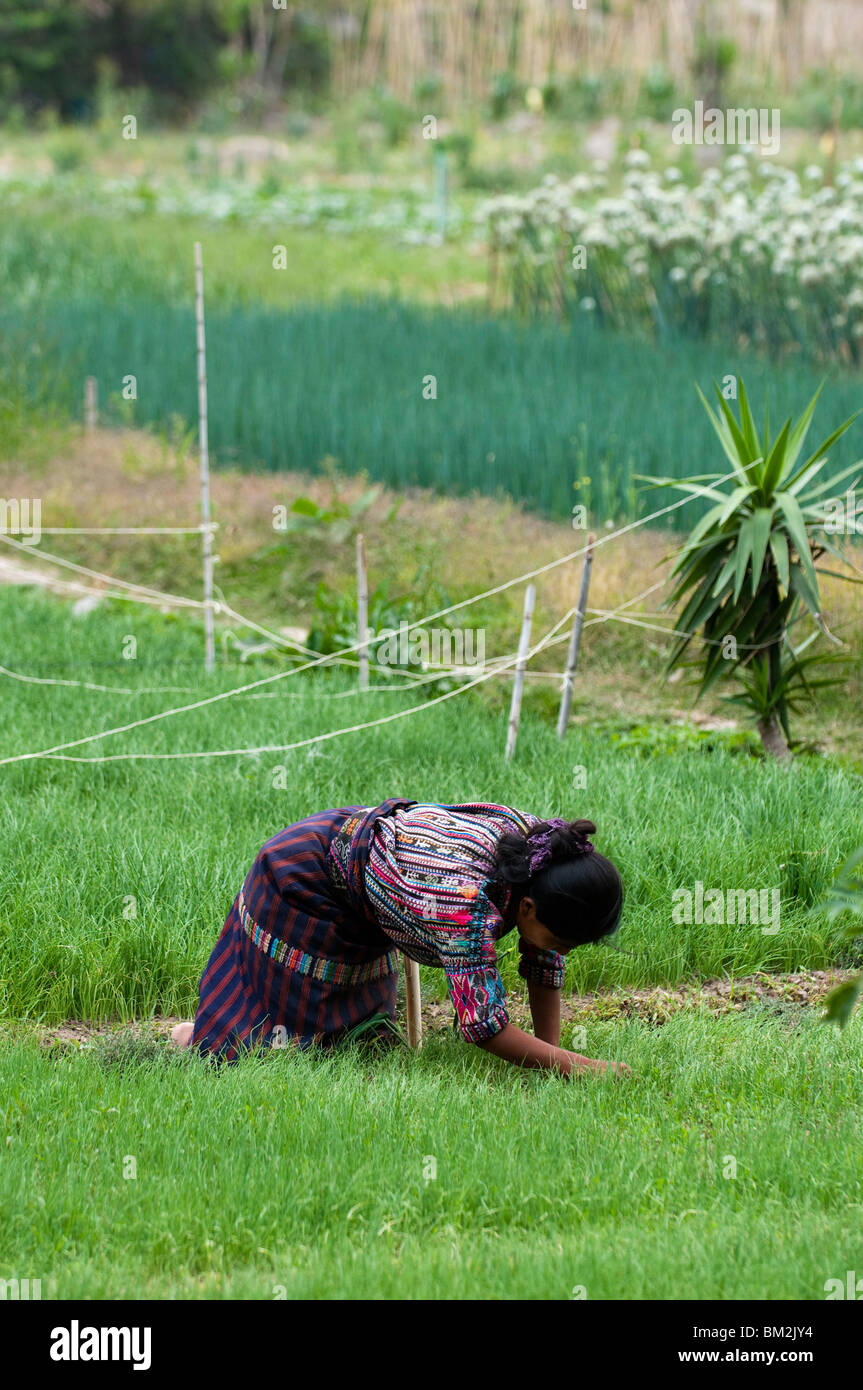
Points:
289	45
48	54
52	50
171	47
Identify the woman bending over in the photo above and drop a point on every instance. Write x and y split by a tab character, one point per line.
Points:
310	946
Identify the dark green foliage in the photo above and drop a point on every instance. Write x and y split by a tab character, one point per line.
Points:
525	409
54	52
48	55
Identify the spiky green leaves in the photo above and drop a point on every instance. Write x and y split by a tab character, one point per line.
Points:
747	572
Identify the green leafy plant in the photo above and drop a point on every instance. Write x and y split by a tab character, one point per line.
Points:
847	896
747	574
459	144
338	519
714	58
658	740
379	1030
505	89
334	624
334	621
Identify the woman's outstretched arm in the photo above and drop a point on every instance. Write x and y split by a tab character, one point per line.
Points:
514	1045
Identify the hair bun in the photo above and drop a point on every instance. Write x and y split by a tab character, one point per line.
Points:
557	839
577	893
519	857
573	835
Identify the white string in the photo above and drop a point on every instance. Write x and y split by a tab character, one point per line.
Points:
89	685
71	587
164	714
297	670
548	640
283	641
500	668
126	530
175	599
442	612
57	752
212	699
416	680
57	755
139	593
142	593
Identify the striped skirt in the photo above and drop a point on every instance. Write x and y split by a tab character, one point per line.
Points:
300	959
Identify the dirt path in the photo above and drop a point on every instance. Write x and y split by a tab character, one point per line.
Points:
14	571
655	1005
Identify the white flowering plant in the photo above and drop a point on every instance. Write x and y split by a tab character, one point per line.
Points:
751	249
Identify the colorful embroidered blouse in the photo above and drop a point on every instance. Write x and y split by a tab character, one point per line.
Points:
428	880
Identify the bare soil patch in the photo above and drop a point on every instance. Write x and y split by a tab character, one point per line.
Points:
805	988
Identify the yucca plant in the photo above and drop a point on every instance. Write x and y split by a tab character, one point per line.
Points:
747	574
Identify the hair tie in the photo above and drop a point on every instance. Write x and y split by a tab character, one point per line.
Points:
541	853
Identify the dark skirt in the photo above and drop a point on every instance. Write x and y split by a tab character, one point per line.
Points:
300	959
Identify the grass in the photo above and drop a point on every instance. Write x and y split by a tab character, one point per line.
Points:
49	256
727	1167
117	876
306	1177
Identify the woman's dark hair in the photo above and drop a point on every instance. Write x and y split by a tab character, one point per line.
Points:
578	893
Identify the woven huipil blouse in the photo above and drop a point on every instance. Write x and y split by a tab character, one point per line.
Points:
429	882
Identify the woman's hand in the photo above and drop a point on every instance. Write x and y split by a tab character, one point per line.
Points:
513	1045
590	1064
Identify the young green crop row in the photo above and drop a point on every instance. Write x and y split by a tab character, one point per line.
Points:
446	400
116	877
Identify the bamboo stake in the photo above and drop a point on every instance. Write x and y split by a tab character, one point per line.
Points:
441	189
362	613
575	640
493	269
521	663
206	534
412	999
91	406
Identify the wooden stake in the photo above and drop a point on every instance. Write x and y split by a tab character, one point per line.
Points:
362	613
441	185
493	269
521	663
207	535
575	640
412	998
91	404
